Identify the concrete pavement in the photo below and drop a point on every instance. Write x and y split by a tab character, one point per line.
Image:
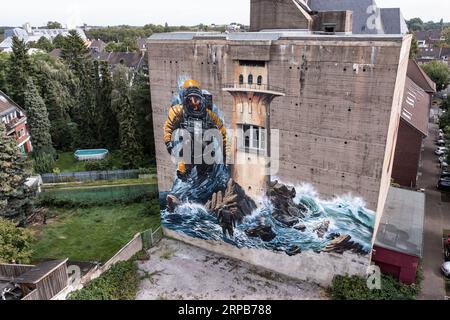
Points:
437	218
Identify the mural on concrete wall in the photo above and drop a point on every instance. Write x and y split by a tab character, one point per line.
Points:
220	202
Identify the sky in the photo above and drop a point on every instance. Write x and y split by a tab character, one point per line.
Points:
174	12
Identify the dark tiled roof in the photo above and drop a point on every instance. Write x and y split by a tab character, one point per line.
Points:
98	44
7	105
128	59
393	21
419	76
56	53
142	43
415	108
429	35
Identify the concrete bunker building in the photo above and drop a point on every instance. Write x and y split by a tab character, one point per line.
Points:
335	98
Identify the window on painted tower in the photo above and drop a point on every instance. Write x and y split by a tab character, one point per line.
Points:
250	79
241	79
260	79
254	139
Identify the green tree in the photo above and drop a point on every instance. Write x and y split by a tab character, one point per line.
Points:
166	27
15	169
109	126
74	52
54	25
59	88
44	44
4	71
439	72
142	103
39	124
15	243
415	24
130	146
414	47
19	70
86	112
446	36
59	41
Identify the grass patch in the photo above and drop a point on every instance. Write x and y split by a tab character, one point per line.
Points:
121	282
355	288
98	196
67	163
92	234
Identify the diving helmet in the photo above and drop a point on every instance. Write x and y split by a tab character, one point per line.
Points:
192	90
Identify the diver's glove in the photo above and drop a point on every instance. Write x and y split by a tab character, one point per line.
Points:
170	145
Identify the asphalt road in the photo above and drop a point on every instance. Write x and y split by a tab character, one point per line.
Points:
437	218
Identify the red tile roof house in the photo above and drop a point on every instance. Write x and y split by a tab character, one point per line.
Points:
413	127
15	122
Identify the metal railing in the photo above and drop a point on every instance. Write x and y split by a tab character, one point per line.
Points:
254	86
151	238
89	176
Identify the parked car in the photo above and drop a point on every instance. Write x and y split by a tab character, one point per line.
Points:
443	158
441	143
444	184
441	151
446	269
444	166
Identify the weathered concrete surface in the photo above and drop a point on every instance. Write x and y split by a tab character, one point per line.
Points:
183	272
337	121
284	14
319	268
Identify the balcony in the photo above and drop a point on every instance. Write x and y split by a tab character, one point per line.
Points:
257	88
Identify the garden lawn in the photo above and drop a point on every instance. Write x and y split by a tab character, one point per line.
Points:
67	163
92	234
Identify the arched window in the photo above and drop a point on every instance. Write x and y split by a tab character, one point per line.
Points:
241	79
250	79
260	80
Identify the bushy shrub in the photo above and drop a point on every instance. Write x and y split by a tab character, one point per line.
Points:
355	288
15	243
121	282
145	171
152	208
53	201
43	162
99	165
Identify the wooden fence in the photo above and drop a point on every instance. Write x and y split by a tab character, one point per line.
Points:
141	241
33	296
9	271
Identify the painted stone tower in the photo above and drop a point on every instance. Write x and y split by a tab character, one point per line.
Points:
250	124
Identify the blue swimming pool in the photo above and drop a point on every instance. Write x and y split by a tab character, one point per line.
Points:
88	155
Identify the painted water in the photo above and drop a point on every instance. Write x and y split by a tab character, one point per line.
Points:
347	216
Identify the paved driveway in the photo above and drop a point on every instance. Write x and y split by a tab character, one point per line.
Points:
437	219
